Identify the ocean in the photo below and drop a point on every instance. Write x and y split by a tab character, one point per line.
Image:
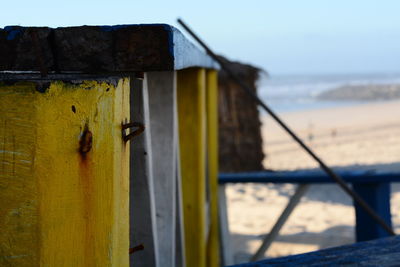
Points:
288	93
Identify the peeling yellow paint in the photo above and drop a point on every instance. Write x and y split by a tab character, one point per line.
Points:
59	207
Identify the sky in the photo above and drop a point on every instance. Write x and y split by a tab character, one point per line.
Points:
283	37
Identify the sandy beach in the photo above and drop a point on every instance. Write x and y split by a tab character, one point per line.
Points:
365	136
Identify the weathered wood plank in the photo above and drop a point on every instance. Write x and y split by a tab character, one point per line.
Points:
64	174
192	138
143	228
162	104
213	252
98	49
180	231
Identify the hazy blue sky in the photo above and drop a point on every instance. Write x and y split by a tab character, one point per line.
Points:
284	37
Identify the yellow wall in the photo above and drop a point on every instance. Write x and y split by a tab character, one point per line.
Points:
60	207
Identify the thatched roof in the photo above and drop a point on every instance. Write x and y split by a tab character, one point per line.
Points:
240	143
241	70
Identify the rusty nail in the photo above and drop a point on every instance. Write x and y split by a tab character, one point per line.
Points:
135	249
129	136
85	143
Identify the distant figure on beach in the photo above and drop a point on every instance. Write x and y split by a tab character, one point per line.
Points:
333	133
310	136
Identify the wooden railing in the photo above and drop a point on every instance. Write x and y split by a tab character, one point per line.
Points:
373	186
78	185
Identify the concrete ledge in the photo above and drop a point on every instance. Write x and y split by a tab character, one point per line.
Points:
98	49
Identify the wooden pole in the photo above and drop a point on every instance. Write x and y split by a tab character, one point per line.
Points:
192	138
143	225
64	171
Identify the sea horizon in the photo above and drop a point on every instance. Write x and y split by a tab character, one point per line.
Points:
298	92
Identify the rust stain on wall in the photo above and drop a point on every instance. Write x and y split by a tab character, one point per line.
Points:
87	182
85	143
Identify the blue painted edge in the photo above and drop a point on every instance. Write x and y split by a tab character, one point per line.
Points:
13	32
186	54
110	28
379	252
308	176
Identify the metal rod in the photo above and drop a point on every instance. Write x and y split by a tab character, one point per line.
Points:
323	166
270	237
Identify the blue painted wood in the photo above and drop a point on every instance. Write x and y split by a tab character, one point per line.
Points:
377	195
381	252
308	176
